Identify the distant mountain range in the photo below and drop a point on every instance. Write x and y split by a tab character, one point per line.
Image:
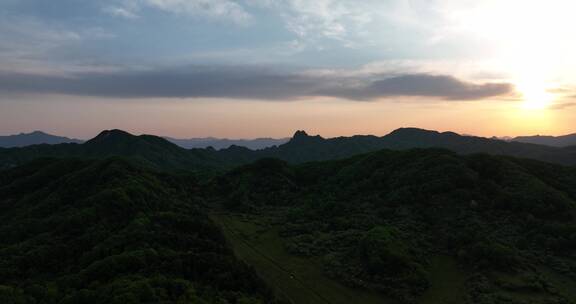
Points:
223	143
555	141
151	150
34	138
39	137
160	153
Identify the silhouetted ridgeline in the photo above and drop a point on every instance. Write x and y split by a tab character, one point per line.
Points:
150	150
160	153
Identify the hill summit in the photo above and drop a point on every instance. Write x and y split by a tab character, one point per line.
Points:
302	136
114	134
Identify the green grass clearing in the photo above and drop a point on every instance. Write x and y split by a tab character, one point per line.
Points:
295	279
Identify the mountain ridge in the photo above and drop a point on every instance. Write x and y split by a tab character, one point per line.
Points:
555	141
34	138
302	147
151	150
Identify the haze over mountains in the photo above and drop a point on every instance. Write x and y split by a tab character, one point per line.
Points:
223	143
39	137
34	138
556	141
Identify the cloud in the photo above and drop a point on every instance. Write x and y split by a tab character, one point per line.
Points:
21	36
247	83
33	45
217	9
312	21
424	85
317	24
211	8
123	12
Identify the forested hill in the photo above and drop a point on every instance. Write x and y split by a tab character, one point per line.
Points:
422	226
150	150
75	231
304	147
159	153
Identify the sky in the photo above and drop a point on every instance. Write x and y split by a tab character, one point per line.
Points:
265	68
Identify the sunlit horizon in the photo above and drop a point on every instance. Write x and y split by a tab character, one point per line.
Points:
268	68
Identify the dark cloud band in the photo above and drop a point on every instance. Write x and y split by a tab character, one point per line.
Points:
248	83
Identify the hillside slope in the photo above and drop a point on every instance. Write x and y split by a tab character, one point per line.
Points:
150	150
394	222
107	231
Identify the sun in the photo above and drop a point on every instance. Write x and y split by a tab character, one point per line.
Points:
528	41
535	95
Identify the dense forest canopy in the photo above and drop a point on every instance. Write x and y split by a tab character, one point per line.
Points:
90	227
378	220
75	231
